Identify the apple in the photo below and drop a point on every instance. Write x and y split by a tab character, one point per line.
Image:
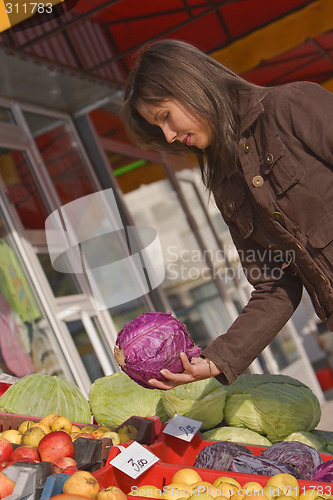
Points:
25	426
282	484
71	469
84	435
12	435
32	436
61	424
23	452
88	428
7	485
111	493
6	449
54	445
63	462
41	425
83	482
76	428
48	419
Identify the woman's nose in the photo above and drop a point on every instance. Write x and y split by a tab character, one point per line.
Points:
170	135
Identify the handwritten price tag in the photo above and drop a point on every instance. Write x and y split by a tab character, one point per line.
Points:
134	460
182	427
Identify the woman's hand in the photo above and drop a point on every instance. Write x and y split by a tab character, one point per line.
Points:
196	369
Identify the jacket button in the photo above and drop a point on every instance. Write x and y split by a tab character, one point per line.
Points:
230	205
269	158
299	247
247	147
323	278
278	217
257	181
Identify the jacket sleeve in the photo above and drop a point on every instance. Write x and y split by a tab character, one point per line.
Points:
274	299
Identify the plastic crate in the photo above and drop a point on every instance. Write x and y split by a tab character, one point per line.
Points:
160	475
53	485
25	482
172	450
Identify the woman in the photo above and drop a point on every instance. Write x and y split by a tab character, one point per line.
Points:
266	155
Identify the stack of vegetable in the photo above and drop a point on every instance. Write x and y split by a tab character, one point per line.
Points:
298	459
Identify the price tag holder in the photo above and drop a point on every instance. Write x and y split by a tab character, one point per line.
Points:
134	460
182	427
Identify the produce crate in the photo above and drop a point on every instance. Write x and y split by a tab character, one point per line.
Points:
53	485
41	469
25	479
172	450
160	475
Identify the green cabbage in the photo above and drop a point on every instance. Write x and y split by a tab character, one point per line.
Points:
39	395
202	400
307	438
115	398
236	435
272	405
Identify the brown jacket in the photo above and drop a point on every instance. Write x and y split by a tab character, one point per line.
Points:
279	209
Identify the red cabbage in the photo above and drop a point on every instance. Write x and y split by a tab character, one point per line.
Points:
254	464
150	342
303	458
219	455
324	472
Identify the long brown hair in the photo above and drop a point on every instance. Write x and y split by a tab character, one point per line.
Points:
172	69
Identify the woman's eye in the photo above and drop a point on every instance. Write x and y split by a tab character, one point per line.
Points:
166	116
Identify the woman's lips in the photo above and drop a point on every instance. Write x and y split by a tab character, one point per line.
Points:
187	140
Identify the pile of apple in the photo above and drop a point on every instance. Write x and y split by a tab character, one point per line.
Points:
188	484
51	440
83	485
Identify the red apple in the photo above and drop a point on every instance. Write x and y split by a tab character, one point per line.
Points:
24	452
7	485
71	469
54	445
6	449
84	435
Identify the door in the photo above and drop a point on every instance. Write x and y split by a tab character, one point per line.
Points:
42	168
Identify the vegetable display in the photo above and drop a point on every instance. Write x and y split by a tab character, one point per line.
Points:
150	342
115	398
272	405
39	395
202	400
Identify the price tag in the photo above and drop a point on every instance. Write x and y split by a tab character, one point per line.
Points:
134	460
182	427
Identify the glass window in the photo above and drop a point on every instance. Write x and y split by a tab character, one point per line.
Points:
27	343
23	189
61	157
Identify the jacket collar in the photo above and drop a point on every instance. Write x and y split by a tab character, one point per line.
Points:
250	107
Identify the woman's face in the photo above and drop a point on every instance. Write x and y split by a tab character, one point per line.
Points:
178	123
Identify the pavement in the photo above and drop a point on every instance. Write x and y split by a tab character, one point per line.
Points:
326	421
